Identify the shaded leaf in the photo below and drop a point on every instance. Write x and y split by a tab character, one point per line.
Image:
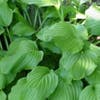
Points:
6	14
23	29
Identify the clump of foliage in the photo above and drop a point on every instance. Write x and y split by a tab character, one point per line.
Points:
49	50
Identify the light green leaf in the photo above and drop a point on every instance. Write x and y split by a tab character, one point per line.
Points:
81	64
6	14
2	95
39	84
90	93
42	3
22	54
67	91
82	31
2	81
94	78
63	35
93	20
23	29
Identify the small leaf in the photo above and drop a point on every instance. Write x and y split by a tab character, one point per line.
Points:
23	29
39	84
90	93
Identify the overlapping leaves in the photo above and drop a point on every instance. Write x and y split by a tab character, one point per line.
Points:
22	54
81	64
38	85
63	35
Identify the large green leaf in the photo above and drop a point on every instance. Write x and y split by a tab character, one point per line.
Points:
66	91
2	95
90	93
42	3
6	14
39	84
63	35
93	20
23	29
81	64
23	54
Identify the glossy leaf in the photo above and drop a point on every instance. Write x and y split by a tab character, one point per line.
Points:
39	84
60	34
90	93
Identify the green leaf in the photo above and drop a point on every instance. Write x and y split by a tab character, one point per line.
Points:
43	3
82	31
39	84
2	81
2	95
50	46
6	14
63	35
80	64
90	93
94	78
22	54
67	91
93	20
23	29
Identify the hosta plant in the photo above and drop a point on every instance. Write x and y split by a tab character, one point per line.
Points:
49	50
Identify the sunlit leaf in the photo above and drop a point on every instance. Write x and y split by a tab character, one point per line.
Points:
93	20
39	84
66	91
81	64
42	3
63	35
